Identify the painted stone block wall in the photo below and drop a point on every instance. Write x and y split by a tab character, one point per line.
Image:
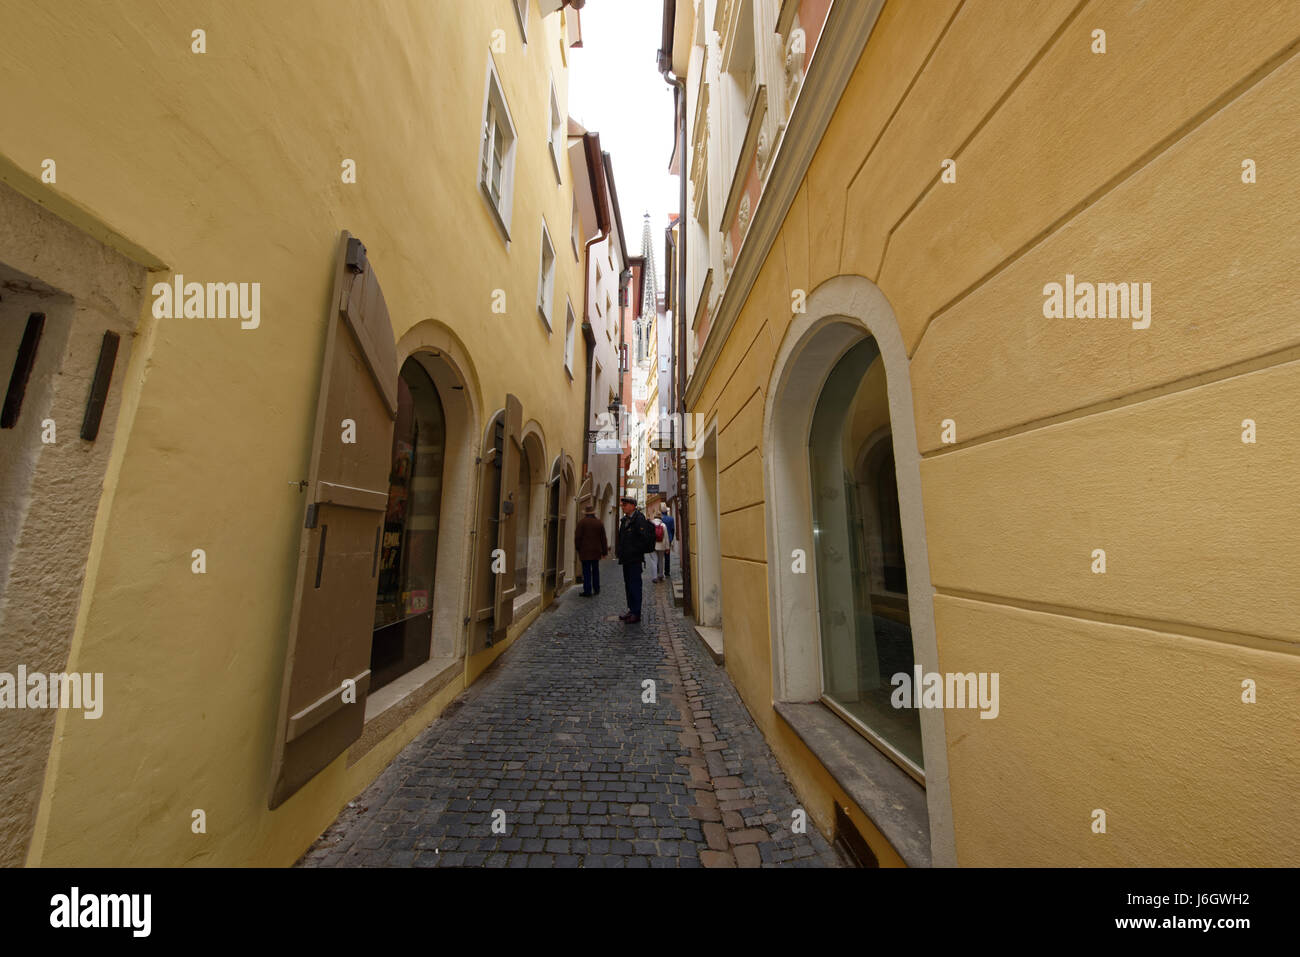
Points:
227	165
1120	691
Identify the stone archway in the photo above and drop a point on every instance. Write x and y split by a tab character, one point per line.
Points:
447	363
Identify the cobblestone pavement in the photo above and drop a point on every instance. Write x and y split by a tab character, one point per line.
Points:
557	737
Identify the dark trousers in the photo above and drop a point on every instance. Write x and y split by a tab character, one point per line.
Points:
632	582
590	576
668	560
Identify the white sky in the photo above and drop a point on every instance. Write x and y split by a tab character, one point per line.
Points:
616	90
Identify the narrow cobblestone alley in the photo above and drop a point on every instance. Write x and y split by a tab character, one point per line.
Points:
556	735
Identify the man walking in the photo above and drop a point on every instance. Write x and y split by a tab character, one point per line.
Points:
635	538
667	518
590	543
661	546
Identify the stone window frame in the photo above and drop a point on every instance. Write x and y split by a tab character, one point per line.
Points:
436	347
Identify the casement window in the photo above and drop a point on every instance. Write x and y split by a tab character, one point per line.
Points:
497	156
569	324
546	278
555	138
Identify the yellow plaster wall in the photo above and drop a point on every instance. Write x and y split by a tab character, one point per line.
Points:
225	166
1119	691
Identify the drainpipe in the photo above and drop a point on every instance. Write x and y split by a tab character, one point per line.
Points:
679	320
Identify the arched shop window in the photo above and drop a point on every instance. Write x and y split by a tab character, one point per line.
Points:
408	554
866	634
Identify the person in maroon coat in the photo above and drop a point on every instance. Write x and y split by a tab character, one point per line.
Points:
590	543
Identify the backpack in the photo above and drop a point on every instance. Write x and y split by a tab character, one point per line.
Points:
659	532
648	535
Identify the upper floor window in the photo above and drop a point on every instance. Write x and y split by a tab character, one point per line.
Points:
569	323
546	278
555	139
497	158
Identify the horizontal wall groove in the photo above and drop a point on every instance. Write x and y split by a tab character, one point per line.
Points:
1270	360
984	120
741	558
723	426
1181	629
1187	128
740	508
920	70
740	458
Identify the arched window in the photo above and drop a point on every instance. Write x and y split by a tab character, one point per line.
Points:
409	550
866	634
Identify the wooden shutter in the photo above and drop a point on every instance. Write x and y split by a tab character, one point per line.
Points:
504	590
347	495
562	528
494	594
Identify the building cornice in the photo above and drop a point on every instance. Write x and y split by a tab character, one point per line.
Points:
843	38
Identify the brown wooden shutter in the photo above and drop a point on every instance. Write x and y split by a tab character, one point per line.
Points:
494	594
347	494
504	591
562	528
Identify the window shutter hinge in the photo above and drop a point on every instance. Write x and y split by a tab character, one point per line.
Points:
356	256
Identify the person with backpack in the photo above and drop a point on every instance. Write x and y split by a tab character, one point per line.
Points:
661	547
635	538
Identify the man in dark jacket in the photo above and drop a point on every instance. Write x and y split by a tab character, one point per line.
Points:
635	537
590	543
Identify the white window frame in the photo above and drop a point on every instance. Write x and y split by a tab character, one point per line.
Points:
570	327
498	130
555	137
546	277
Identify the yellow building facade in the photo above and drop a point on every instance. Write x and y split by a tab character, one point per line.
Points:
387	188
1057	240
